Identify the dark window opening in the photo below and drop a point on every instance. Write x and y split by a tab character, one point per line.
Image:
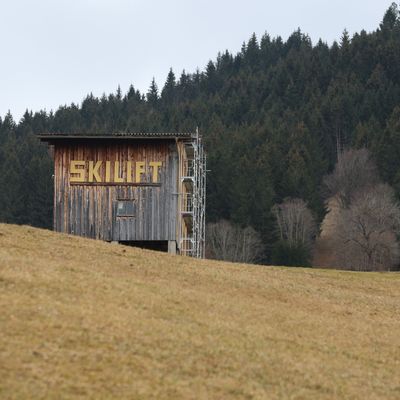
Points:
126	208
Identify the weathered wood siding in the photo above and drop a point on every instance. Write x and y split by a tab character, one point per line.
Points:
90	209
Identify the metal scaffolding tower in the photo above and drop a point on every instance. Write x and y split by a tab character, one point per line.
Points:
193	199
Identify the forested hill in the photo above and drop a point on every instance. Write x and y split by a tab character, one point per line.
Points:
273	117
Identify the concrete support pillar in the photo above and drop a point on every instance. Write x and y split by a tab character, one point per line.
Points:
172	247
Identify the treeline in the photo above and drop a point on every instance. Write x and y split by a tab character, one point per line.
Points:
274	117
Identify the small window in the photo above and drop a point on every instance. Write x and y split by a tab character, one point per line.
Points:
125	208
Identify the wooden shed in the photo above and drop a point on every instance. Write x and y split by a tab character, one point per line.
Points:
143	189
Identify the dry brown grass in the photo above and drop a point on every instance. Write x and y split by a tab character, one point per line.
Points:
86	319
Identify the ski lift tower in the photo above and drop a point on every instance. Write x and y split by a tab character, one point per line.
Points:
193	196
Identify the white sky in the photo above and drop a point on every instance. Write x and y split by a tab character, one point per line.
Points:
54	52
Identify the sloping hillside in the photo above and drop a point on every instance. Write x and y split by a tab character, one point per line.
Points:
84	319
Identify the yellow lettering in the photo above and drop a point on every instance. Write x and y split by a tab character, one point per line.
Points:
94	171
77	174
108	171
117	178
155	165
129	171
114	171
139	170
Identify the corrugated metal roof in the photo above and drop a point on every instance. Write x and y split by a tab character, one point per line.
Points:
117	135
148	134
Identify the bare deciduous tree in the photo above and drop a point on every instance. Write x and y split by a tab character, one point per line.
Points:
366	230
364	236
229	242
354	171
296	223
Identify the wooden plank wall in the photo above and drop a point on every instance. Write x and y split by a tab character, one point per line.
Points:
90	210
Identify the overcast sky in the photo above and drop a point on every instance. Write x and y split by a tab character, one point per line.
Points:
54	52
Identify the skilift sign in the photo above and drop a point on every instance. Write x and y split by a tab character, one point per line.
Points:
114	172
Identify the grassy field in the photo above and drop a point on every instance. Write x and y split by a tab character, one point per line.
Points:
86	319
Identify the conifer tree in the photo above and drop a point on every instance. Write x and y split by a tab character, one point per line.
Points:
168	91
152	93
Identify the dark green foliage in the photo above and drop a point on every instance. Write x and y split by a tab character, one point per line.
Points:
25	176
291	256
168	92
391	18
388	150
273	118
152	94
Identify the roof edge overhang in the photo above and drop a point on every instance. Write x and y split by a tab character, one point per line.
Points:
45	137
